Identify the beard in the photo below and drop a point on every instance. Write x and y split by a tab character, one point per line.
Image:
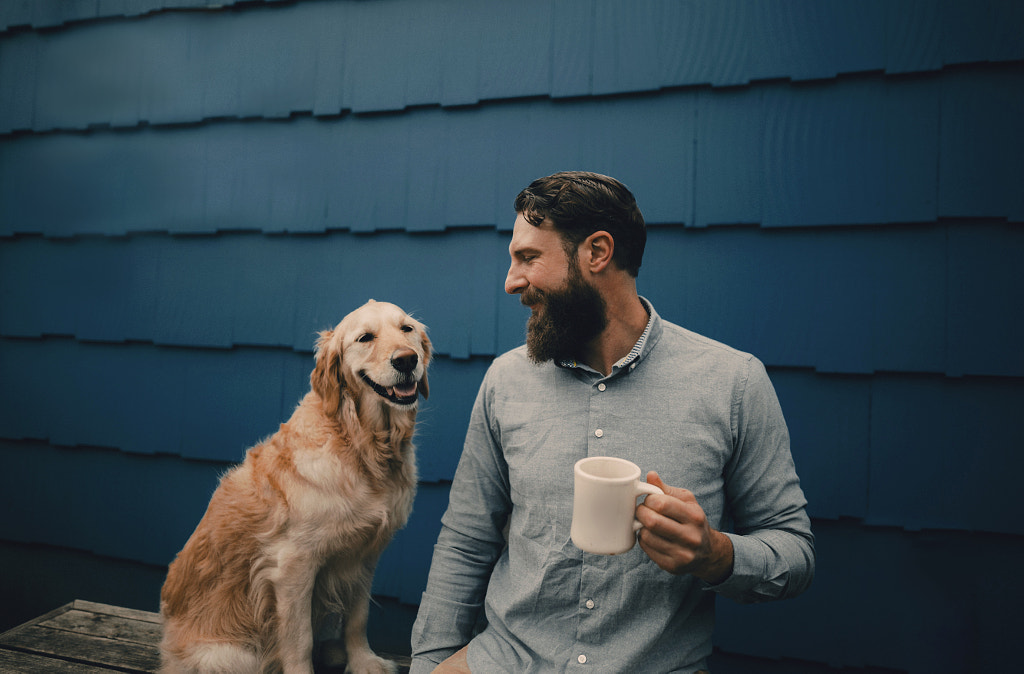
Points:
565	320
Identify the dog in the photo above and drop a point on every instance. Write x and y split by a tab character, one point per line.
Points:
291	537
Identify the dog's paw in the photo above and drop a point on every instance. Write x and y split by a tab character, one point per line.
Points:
369	662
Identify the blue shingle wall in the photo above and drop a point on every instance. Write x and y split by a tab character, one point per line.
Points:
902	599
907	298
187	66
861	150
189	192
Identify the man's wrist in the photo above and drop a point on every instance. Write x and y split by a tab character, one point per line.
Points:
720	562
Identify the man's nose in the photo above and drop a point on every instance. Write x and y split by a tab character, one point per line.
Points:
514	282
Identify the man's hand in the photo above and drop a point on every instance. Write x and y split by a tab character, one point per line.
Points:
677	536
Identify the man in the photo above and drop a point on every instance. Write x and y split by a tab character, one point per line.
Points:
602	374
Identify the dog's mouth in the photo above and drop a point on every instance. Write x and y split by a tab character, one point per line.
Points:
404	393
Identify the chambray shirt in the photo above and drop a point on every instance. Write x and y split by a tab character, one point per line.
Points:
704	415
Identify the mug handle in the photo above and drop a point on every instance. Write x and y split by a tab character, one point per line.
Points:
641	489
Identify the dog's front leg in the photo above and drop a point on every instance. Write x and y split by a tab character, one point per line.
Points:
293	593
361	659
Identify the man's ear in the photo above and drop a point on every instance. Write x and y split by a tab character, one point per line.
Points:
326	380
596	251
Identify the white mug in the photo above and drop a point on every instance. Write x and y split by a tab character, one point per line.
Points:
604	504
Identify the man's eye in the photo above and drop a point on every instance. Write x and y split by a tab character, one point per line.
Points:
368	337
406	328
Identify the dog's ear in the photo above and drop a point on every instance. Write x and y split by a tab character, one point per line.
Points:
427	352
326	380
424	387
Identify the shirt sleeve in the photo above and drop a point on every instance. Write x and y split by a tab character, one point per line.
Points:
773	544
470	541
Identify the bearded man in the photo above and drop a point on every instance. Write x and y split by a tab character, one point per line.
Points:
601	374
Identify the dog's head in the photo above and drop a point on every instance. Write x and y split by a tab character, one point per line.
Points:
378	352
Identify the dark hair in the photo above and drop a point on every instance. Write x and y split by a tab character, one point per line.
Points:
578	204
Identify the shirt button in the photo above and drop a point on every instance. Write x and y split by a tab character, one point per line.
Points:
599	433
582	659
590	603
601	387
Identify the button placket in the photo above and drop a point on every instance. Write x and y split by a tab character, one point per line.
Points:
598	408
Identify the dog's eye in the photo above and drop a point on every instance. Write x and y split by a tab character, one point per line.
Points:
406	328
367	337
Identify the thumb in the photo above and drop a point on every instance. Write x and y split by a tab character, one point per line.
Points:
655	479
675	492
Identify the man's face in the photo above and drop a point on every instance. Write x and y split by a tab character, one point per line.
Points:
568	312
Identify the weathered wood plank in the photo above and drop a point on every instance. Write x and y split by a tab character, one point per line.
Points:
28	663
98	650
87	637
120	611
105	625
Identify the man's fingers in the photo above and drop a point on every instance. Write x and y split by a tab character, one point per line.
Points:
678	505
678	526
666	553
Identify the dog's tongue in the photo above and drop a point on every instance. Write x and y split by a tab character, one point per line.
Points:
405	390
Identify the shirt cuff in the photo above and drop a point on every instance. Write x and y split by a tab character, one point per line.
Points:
442	627
748	568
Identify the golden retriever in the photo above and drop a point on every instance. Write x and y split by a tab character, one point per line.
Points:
292	534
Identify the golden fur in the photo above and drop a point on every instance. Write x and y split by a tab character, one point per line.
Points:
292	535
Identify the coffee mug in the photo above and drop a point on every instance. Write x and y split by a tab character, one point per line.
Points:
604	504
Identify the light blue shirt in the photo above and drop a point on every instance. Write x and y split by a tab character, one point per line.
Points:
704	416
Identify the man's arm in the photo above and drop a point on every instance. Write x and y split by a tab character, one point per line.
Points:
771	555
470	542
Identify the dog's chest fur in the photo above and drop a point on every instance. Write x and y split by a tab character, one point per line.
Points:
329	505
360	518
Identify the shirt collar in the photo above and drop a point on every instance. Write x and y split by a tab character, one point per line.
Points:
639	349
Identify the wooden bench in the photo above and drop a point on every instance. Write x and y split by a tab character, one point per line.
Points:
89	638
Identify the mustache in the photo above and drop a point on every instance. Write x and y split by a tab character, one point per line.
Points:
531	296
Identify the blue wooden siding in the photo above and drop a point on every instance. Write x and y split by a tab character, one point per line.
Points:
859	150
187	66
188	192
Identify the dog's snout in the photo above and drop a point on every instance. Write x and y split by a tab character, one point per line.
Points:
404	360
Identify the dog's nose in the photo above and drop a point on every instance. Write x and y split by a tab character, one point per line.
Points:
404	360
